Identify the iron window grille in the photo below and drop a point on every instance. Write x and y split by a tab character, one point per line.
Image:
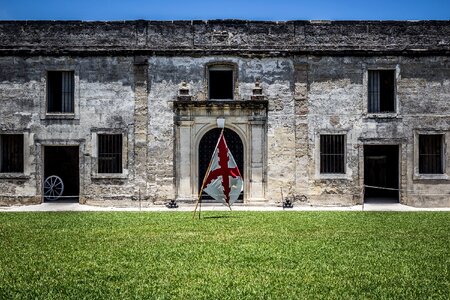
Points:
381	91
431	154
109	153
332	154
60	92
11	153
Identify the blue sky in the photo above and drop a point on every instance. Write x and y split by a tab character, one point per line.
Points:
232	9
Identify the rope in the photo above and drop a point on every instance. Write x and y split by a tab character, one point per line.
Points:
403	190
415	193
77	196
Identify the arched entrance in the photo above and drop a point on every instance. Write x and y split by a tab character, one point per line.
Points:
206	149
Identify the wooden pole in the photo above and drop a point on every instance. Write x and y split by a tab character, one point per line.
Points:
206	176
199	198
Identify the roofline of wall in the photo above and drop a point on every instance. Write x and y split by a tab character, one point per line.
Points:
230	21
229	37
232	52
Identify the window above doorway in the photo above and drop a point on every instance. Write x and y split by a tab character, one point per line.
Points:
60	92
381	91
221	81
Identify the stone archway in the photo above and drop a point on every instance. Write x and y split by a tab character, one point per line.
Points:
246	123
206	148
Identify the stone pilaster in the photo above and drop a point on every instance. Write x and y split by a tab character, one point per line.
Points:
257	163
140	125
184	161
301	129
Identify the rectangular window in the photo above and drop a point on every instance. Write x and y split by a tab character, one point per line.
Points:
332	154
109	153
381	91
11	153
431	154
220	84
60	92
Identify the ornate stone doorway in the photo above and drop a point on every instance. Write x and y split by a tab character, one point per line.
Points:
206	149
196	137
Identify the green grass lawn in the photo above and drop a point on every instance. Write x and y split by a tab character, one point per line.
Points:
225	255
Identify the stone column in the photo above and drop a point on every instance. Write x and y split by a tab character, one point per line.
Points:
301	129
183	165
257	157
140	125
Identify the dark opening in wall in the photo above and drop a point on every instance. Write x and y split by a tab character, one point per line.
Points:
430	154
220	84
381	173
381	91
11	153
63	161
109	153
206	149
60	92
332	154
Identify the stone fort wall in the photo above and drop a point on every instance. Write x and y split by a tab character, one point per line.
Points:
314	80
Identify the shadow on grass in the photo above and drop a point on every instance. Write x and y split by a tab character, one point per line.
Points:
209	217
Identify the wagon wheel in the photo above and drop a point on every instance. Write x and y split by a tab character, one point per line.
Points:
53	187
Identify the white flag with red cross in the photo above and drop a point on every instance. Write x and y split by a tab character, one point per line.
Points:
223	182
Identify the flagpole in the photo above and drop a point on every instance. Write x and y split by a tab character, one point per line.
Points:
201	191
204	178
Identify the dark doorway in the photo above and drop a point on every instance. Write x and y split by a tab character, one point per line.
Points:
206	149
63	161
381	172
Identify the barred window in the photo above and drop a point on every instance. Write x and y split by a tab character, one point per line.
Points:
60	92
332	153
109	153
431	154
381	91
220	82
11	153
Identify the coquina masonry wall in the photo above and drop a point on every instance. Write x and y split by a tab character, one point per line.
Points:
313	76
104	100
337	98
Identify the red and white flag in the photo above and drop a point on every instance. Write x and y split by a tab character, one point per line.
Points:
223	181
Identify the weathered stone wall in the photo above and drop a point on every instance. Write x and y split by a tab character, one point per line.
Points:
166	74
105	99
424	90
337	103
59	37
313	75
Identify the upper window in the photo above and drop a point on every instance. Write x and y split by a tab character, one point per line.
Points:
11	153
221	82
60	92
109	153
332	154
381	91
431	154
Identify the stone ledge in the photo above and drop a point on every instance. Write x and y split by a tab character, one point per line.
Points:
250	104
224	36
